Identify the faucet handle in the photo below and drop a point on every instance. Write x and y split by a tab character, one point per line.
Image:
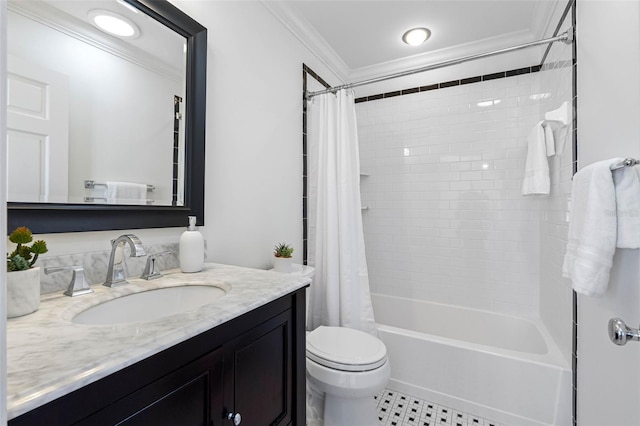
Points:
151	269
78	284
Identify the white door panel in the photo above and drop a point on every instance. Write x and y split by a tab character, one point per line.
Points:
27	153
37	133
608	376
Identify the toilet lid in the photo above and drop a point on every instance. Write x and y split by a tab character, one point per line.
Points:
345	349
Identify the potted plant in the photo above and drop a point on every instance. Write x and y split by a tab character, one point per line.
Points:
282	260
23	280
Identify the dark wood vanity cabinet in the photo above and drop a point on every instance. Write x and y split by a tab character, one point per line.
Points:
260	386
253	365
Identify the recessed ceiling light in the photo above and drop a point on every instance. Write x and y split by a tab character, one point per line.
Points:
416	36
114	23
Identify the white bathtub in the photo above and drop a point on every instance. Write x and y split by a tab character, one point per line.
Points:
499	367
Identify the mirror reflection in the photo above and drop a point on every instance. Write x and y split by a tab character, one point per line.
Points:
94	117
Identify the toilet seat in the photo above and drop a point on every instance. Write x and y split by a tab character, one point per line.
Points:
345	349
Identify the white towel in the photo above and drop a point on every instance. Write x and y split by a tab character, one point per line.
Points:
627	185
592	229
126	193
557	123
560	133
536	172
549	139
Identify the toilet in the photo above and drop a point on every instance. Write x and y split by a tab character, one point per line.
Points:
346	368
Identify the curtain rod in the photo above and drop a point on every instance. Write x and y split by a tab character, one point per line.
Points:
566	37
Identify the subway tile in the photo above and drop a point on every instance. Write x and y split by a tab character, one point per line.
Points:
487	206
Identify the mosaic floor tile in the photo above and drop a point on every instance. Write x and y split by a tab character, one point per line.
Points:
398	409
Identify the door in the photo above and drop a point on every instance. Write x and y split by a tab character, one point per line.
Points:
608	96
37	133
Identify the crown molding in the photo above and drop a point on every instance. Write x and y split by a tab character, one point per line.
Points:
309	37
446	54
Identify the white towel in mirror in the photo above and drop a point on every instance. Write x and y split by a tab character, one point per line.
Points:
126	193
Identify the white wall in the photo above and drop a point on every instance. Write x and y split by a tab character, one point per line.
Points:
254	131
116	131
608	126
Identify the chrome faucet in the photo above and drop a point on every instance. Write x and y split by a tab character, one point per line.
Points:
115	271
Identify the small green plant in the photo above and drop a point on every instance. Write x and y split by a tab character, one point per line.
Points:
283	250
24	256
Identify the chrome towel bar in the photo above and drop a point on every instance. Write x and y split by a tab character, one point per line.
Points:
90	184
627	162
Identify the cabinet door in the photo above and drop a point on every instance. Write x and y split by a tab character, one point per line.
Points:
259	373
190	396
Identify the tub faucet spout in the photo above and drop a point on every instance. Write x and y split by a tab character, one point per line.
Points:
116	275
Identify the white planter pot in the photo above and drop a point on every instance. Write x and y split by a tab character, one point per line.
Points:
282	264
23	292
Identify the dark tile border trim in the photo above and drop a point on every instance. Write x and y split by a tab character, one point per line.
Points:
571	6
306	72
452	83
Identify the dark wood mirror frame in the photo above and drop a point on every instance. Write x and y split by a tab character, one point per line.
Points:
52	218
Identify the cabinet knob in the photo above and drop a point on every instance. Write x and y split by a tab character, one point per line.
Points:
237	418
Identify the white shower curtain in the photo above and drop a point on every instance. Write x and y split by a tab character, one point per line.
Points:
340	290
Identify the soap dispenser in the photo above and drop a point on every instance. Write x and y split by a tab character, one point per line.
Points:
191	248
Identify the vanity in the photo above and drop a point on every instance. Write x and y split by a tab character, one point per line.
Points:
238	359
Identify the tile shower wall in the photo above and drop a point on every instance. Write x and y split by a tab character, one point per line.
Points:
446	221
556	296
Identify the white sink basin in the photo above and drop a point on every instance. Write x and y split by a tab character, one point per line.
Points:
149	305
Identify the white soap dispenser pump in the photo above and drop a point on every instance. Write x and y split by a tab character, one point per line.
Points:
191	248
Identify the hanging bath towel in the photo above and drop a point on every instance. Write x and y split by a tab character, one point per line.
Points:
592	229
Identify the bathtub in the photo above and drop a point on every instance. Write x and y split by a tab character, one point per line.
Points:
503	368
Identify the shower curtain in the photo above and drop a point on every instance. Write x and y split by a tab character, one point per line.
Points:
340	290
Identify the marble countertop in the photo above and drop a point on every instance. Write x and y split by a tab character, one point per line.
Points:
48	356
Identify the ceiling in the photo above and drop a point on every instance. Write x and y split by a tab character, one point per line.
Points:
364	37
156	47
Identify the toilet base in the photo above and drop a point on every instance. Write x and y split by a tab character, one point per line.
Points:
340	411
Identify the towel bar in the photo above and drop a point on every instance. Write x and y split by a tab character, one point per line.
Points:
90	184
104	200
627	162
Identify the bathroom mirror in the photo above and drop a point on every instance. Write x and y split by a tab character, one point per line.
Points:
140	124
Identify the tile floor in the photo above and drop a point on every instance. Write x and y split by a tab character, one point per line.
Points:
398	409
